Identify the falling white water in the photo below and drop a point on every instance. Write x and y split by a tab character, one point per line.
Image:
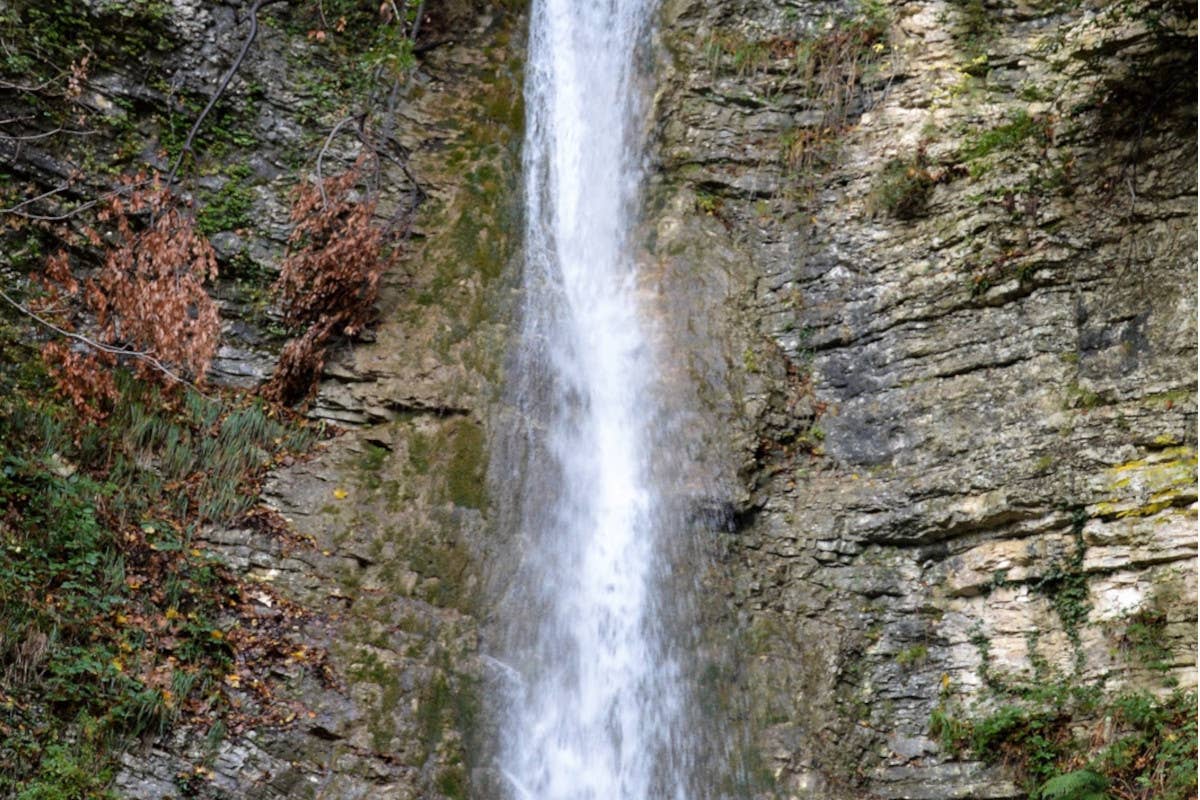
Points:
595	706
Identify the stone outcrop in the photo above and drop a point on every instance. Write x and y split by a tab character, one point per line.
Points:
964	387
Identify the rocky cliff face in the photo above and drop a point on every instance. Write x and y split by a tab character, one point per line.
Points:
951	253
936	262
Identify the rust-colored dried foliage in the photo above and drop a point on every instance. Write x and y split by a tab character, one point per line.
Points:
147	299
329	281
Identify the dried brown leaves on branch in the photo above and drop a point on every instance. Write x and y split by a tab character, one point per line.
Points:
148	300
329	281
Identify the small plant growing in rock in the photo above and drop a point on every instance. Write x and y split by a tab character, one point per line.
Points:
1078	785
902	188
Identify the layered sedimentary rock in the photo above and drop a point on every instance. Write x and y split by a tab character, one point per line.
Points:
961	346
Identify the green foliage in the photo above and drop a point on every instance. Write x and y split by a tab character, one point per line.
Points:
1145	638
1065	583
1081	784
735	53
1008	136
465	475
1080	397
1042	725
229	207
948	729
205	448
828	63
68	771
912	655
227	130
420	452
1150	751
356	50
44	37
708	203
99	579
452	782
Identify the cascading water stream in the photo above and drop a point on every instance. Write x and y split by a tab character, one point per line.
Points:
597	706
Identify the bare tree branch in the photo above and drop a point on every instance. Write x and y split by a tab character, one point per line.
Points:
321	158
221	87
104	348
57	190
33	137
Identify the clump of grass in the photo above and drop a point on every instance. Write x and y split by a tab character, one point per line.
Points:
902	188
1148	750
1008	136
112	621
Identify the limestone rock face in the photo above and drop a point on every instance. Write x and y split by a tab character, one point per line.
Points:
953	330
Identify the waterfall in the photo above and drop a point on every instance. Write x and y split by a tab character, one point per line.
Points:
594	700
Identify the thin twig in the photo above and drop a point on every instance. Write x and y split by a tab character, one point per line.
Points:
321	158
221	87
56	217
46	135
17	87
389	117
41	196
416	28
125	189
104	348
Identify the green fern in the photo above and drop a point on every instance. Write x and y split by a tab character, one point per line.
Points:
1081	784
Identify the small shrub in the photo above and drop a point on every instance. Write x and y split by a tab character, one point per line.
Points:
148	300
1081	784
910	655
902	188
330	279
1008	136
1145	639
1147	751
114	623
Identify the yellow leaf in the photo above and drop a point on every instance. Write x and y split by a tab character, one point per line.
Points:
173	614
340	493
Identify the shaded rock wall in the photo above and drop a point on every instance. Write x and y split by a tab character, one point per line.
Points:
388	513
